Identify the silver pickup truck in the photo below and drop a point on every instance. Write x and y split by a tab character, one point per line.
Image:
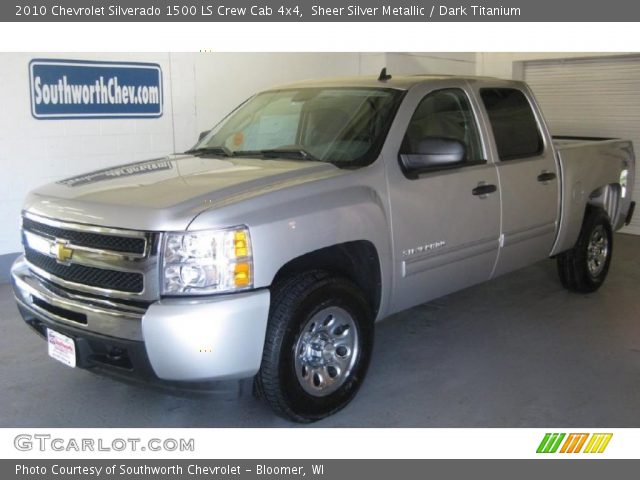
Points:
311	211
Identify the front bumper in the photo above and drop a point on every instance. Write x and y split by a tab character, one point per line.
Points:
182	339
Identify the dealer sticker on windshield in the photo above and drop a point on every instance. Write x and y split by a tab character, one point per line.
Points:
62	348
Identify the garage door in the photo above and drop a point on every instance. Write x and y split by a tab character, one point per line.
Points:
591	97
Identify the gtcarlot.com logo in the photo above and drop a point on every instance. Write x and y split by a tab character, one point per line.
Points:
47	443
574	443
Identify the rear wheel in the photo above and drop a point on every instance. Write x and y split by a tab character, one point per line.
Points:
584	268
318	346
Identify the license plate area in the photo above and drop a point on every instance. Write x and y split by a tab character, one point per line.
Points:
61	348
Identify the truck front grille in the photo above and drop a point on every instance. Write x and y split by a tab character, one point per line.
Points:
100	241
92	276
95	260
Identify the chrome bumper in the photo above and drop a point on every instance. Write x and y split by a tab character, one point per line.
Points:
203	339
102	316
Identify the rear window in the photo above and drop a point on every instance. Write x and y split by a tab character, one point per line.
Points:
514	125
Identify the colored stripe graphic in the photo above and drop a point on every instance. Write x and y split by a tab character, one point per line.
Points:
598	442
550	443
574	443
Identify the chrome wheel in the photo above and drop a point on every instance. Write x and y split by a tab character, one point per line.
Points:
597	251
326	351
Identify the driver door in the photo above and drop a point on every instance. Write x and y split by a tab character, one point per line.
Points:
445	219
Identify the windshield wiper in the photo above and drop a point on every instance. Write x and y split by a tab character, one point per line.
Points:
284	152
219	150
294	152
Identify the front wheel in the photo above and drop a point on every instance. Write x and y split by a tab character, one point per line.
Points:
584	268
318	345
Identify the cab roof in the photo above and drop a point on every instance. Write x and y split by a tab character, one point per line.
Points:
398	82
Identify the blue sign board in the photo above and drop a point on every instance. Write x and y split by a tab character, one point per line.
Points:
84	89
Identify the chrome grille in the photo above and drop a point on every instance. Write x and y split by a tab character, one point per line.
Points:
90	276
102	261
88	239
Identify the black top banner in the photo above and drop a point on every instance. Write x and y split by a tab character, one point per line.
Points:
318	11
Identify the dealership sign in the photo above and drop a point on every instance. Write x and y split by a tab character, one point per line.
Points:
84	89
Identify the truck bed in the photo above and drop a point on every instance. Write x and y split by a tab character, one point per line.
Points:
585	165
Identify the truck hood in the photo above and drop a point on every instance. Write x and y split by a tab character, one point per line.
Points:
167	193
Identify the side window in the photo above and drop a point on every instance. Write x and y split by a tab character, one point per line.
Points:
514	125
444	114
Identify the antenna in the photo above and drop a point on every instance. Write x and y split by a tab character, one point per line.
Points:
383	75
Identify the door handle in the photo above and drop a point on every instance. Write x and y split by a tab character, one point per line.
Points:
483	190
545	177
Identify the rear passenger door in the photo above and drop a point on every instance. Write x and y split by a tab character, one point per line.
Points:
527	174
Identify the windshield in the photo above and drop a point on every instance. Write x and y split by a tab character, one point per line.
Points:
344	126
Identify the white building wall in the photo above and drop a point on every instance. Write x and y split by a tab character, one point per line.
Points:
432	63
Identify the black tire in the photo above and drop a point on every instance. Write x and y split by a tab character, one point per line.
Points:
294	302
577	274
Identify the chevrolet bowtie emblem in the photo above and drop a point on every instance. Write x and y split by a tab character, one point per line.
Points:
61	252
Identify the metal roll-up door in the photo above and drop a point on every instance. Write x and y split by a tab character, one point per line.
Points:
591	97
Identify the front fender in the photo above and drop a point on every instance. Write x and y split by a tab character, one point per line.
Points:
318	222
289	223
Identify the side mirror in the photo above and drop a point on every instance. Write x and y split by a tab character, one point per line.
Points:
203	134
433	153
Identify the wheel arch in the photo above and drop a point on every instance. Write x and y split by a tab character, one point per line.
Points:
607	197
358	261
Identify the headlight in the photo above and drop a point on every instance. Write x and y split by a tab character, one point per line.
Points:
209	261
623	182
